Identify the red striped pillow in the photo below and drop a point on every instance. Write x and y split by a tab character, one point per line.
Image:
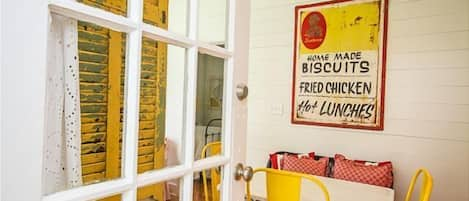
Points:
379	174
306	165
276	159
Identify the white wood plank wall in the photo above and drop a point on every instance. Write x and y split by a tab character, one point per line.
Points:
427	95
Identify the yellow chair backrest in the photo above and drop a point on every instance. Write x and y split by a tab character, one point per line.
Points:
211	149
427	185
284	185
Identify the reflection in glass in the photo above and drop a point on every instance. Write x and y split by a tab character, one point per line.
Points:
118	7
170	15
209	105
84	104
207	185
160	145
164	191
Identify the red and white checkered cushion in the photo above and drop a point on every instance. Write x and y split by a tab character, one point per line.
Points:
276	159
306	165
379	174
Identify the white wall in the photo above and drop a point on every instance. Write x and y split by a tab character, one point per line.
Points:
427	95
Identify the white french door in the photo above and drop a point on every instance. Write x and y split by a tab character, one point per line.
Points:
24	44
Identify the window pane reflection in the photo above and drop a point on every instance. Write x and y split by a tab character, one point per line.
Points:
210	83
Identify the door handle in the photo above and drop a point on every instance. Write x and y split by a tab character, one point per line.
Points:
241	91
244	173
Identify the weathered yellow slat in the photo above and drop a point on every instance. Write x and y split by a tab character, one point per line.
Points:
149	50
93	77
148	100
113	115
149	67
146	134
147	92
146	125
93	168
93	87
145	167
93	137
93	178
147	116
146	142
148	75
93	158
93	117
93	108
92	47
93	98
94	28
93	57
93	37
145	158
147	108
93	128
145	150
93	148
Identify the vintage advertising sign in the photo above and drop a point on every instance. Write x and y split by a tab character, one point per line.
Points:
339	64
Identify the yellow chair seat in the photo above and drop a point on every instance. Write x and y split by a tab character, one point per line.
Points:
285	185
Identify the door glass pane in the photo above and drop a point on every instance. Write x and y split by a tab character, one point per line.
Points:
161	105
85	90
118	7
207	184
170	15
163	191
212	21
210	83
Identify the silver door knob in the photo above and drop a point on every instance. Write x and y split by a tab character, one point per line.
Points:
241	91
244	173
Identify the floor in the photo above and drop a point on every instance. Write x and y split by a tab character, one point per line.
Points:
198	193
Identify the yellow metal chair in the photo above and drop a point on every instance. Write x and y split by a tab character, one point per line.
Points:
285	185
427	185
211	149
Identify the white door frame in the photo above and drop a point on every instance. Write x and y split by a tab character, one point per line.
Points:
23	98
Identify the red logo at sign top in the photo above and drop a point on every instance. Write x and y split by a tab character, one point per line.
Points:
313	30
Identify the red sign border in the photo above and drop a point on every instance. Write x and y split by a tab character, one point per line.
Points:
380	125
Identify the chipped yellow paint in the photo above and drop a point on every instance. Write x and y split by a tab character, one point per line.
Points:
93	178
93	158
146	134
93	137
93	128
93	148
93	168
145	159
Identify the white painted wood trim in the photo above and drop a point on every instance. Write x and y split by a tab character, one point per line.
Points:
156	176
91	192
131	101
162	35
190	101
94	15
228	116
214	50
211	162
